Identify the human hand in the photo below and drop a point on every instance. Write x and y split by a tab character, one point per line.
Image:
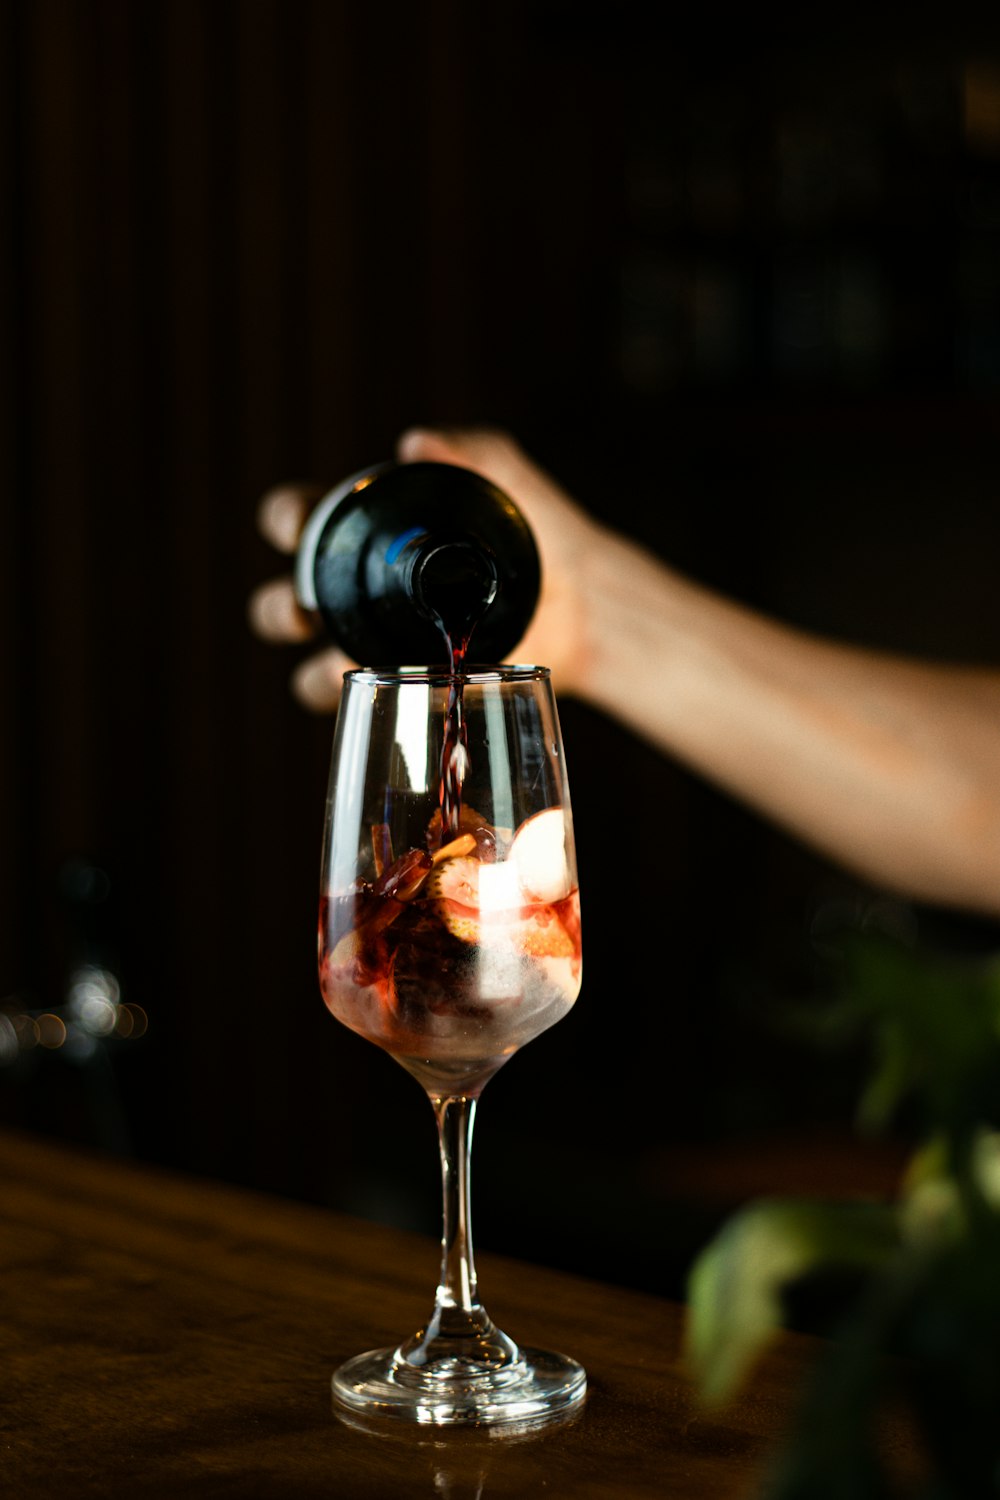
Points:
274	611
556	637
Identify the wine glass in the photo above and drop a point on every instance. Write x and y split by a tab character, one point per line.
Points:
449	935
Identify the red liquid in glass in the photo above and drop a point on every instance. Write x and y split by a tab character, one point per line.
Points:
447	960
451	988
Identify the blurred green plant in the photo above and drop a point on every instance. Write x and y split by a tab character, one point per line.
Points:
919	1335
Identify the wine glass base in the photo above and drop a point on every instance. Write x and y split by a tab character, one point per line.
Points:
532	1389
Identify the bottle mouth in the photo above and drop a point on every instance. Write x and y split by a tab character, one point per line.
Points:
454	584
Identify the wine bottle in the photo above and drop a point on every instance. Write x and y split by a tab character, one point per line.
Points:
407	563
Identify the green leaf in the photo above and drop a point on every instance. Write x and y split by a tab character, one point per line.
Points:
735	1286
935	1028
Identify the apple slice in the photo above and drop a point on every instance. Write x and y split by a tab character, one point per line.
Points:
539	854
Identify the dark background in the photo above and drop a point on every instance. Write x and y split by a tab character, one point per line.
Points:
739	287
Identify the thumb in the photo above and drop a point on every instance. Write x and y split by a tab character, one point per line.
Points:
424	445
318	681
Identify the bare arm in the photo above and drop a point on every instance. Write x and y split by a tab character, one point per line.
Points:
891	767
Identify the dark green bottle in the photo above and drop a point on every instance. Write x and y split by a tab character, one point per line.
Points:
419	565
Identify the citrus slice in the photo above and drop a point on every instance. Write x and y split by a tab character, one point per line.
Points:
485	904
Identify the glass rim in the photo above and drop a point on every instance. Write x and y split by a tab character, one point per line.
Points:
440	676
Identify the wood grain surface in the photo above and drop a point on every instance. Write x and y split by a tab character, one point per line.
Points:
167	1336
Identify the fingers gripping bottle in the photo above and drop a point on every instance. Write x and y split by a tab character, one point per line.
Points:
405	561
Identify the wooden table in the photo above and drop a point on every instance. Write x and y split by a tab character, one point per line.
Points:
163	1336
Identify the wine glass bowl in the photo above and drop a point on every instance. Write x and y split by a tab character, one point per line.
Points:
450	936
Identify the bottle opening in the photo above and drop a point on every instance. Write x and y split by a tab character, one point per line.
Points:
455	584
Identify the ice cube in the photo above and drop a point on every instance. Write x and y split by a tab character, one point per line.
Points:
499	887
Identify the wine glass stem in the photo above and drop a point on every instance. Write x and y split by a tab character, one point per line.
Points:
455	1119
460	1328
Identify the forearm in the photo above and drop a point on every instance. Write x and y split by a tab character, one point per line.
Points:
890	767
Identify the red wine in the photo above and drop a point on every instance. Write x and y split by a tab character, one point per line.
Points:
455	750
458	594
449	960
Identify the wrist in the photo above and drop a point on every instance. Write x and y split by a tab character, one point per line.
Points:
620	589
